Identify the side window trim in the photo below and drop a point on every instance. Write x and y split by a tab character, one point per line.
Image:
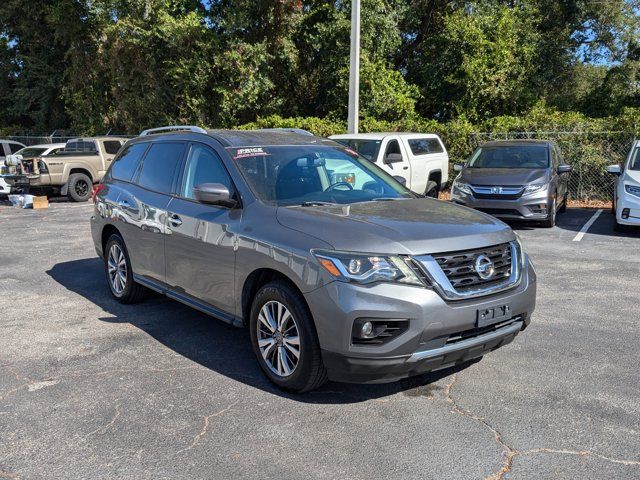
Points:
179	179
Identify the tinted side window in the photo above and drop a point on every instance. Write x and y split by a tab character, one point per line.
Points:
203	166
159	166
112	146
14	147
81	146
126	164
393	147
424	146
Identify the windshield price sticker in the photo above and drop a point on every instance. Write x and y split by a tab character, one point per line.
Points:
250	152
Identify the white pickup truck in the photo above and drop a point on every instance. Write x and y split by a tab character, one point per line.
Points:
420	159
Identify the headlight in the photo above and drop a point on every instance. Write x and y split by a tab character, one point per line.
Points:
632	190
366	269
463	187
535	188
523	255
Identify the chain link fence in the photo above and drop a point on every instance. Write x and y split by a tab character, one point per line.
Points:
589	153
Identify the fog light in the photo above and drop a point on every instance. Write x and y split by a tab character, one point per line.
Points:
625	213
366	330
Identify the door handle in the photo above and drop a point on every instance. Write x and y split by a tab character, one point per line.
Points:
405	168
175	220
124	204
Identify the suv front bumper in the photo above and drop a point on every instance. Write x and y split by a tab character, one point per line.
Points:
440	334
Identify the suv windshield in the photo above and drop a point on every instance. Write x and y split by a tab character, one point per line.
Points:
511	156
367	148
30	152
299	175
634	161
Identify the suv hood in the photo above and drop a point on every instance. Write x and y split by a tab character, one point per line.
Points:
411	227
503	176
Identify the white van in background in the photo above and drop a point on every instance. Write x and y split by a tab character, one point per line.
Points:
626	199
420	159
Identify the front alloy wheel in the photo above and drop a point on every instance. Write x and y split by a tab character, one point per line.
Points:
278	338
284	338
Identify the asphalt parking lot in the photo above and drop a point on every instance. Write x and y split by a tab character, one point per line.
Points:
90	388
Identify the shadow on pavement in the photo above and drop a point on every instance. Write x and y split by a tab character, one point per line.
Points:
213	343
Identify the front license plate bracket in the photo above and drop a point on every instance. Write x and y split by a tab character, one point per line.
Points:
490	315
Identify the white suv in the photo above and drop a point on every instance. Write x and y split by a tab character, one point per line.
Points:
626	200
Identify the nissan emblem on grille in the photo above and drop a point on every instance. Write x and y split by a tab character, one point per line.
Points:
484	267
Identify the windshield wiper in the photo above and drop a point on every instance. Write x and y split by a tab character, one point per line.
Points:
316	203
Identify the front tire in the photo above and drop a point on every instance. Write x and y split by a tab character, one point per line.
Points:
550	222
565	200
284	339
117	267
79	188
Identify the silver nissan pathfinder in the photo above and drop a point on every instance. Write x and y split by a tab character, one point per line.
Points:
338	270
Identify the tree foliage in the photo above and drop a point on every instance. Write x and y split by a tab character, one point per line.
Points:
123	65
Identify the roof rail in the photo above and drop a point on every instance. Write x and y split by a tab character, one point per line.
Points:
299	131
171	128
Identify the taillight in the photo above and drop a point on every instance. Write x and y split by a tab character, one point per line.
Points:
96	190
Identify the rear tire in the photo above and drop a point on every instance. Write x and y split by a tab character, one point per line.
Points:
117	268
565	199
432	190
279	322
79	187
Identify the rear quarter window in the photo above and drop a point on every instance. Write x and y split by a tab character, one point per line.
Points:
125	166
425	146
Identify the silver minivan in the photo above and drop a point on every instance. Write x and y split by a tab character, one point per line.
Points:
358	281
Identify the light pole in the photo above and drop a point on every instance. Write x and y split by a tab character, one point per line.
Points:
354	68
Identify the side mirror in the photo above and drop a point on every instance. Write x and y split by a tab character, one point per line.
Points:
564	169
214	194
393	158
458	167
401	180
615	169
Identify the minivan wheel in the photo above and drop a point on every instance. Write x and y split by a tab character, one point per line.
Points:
117	267
550	222
79	187
284	339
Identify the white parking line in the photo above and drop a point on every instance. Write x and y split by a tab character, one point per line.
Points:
587	226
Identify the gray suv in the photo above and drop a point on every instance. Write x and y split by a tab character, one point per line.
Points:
516	179
337	269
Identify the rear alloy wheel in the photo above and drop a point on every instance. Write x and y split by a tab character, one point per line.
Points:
563	207
284	339
79	188
117	267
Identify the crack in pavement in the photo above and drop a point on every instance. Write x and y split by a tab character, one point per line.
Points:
104	428
205	427
509	452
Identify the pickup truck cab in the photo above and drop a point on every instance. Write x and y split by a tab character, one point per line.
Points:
71	172
418	160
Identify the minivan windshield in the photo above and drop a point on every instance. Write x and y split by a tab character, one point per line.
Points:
367	148
511	156
313	174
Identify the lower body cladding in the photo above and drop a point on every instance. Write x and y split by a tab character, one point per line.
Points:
530	207
420	332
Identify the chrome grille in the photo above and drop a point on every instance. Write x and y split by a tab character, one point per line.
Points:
459	267
497	192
